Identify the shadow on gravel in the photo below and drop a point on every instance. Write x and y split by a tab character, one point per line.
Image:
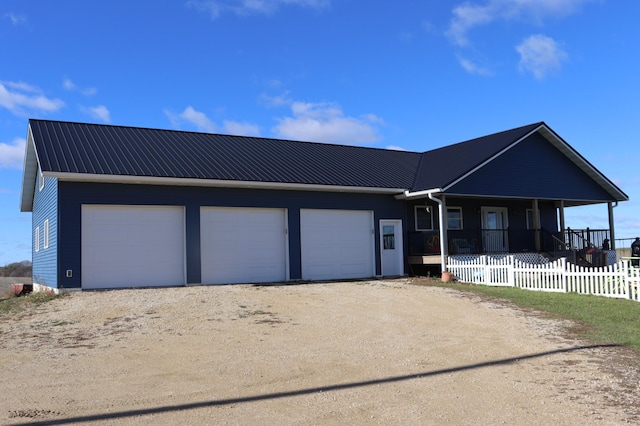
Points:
308	391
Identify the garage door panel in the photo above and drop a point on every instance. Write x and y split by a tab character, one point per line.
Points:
243	245
132	246
336	244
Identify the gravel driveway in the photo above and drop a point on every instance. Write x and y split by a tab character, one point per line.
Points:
371	352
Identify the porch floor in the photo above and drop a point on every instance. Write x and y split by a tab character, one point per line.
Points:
425	260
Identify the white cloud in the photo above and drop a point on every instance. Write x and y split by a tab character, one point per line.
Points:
540	55
15	18
468	16
21	99
241	129
326	122
473	68
12	154
71	86
99	112
202	123
215	8
395	148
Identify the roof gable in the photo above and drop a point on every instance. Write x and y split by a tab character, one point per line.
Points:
440	167
533	168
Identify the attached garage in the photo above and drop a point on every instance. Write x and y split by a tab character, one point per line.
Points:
132	246
337	244
243	245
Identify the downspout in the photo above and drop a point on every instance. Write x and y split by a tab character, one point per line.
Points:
443	232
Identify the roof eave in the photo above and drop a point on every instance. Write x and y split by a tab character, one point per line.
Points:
29	174
155	180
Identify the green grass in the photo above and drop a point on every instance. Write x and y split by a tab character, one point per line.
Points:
598	319
14	305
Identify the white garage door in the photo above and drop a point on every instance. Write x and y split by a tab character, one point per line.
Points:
243	245
337	244
132	246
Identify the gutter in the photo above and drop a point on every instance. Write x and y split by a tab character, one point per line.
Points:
406	195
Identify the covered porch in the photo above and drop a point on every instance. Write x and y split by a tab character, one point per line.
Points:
475	226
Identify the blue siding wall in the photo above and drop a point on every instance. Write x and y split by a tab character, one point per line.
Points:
73	195
45	206
533	169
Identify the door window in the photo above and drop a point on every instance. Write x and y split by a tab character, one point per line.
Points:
388	237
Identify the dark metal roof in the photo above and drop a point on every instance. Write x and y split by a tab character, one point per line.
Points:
65	147
441	167
94	151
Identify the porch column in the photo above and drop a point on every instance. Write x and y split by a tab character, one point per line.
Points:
444	239
563	228
536	222
612	234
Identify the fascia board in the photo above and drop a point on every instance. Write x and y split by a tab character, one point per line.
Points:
29	174
514	197
153	180
583	163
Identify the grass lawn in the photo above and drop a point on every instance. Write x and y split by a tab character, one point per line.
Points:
599	319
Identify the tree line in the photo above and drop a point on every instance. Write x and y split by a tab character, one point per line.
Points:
16	269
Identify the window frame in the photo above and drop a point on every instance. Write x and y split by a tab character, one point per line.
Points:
36	237
459	209
415	217
45	232
529	219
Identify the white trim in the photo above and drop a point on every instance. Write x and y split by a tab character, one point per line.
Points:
29	174
40	180
406	195
36	238
46	234
153	180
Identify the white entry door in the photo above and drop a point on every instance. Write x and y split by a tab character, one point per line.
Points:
391	247
495	222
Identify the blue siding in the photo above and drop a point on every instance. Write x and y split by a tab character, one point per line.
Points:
532	169
74	194
45	206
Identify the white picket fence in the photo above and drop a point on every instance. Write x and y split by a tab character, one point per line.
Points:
620	280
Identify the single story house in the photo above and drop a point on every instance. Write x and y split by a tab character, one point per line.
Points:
121	207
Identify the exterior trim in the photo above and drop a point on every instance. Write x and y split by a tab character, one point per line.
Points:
153	180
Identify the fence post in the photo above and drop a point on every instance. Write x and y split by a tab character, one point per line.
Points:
563	274
486	274
511	271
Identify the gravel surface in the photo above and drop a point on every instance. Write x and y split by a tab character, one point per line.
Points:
371	352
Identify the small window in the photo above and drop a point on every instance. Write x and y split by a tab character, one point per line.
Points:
46	234
388	237
424	218
36	237
454	217
40	180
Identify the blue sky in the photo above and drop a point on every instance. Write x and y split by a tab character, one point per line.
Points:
412	75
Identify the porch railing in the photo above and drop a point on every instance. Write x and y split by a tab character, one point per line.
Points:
577	245
485	241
